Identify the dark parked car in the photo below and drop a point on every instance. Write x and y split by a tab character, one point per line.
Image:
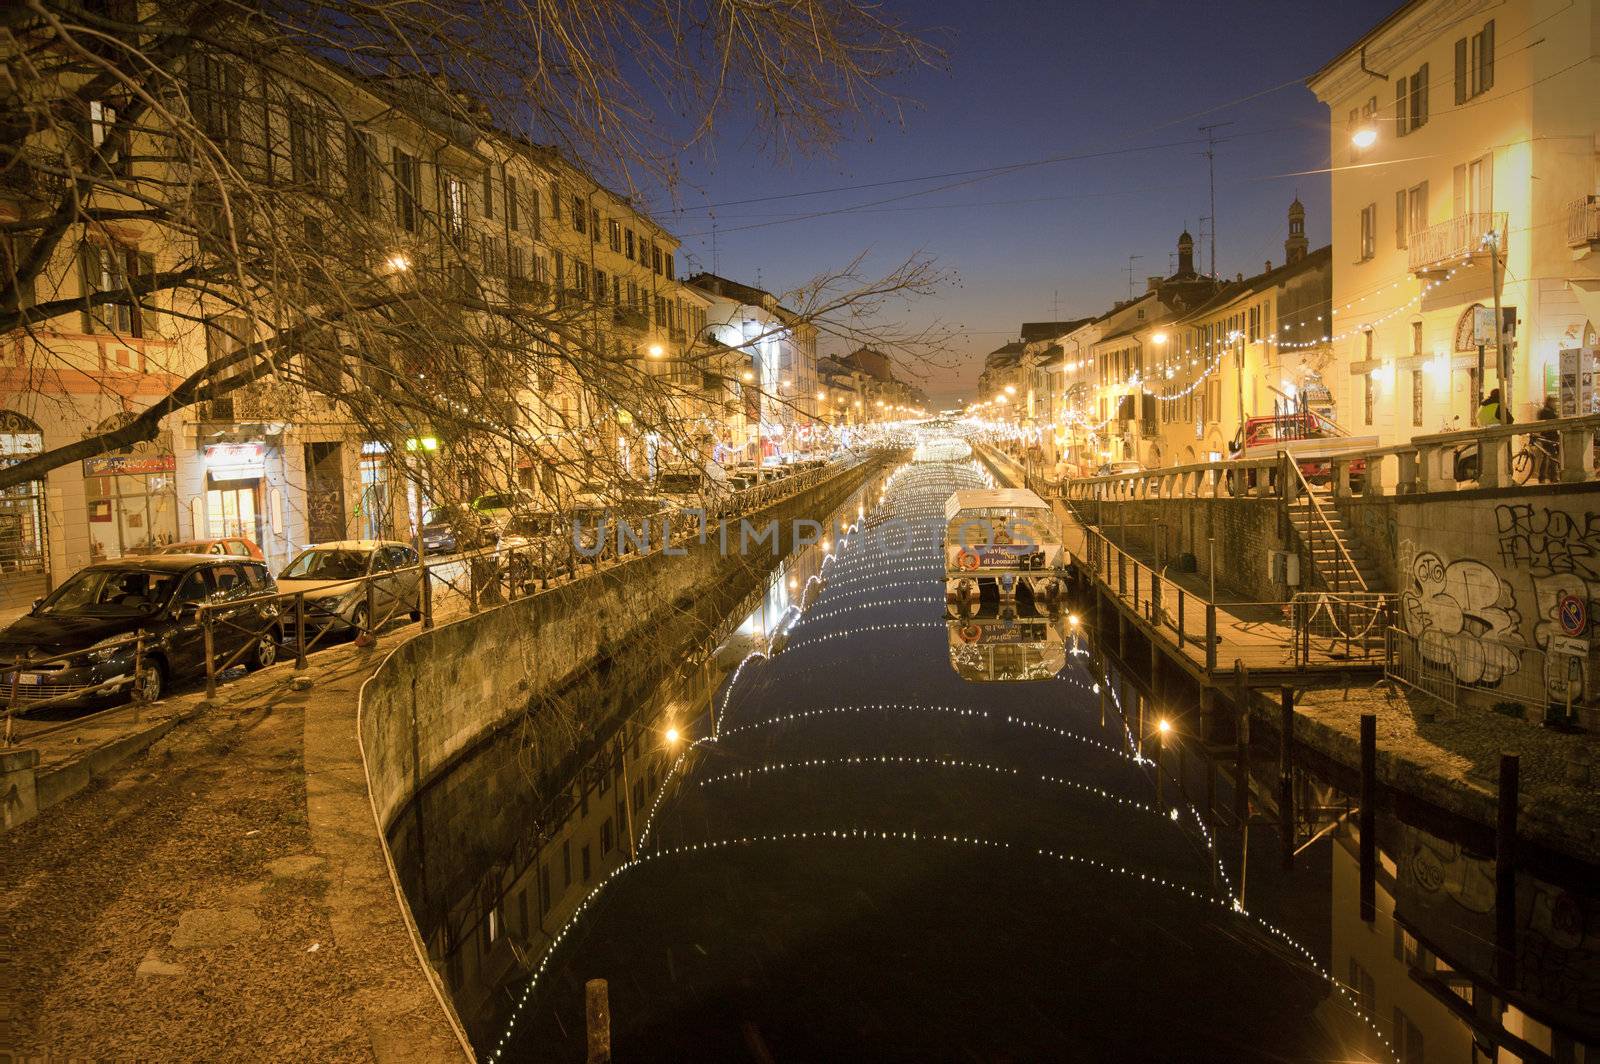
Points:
94	616
447	529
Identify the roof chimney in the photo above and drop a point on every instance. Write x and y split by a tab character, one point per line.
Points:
1152	284
1267	268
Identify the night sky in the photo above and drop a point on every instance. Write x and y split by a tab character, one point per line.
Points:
1026	81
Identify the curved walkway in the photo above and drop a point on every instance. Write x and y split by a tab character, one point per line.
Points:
221	897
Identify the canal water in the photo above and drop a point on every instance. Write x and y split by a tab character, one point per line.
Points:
876	844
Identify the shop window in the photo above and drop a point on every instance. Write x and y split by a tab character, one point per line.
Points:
22	542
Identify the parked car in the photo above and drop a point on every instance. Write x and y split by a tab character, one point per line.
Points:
1111	469
1307	435
233	546
500	505
96	614
447	529
331	575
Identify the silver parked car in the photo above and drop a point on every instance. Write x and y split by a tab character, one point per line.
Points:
336	596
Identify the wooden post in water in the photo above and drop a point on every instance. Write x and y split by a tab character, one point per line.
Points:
597	1010
1286	777
1505	870
1241	789
1369	816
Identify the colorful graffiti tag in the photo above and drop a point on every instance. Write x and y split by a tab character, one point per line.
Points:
1464	617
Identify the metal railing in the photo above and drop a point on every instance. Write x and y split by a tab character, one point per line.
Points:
1493	673
1341	626
299	621
1318	524
1312	629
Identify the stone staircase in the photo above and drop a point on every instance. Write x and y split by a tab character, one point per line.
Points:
1346	570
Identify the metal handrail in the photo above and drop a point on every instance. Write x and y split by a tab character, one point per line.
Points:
1321	515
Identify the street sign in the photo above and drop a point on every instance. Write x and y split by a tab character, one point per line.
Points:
1483	325
1573	613
1577	648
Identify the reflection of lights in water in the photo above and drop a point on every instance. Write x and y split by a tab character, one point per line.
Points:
854	574
1222	904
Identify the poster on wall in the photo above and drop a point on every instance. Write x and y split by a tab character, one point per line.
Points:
1576	381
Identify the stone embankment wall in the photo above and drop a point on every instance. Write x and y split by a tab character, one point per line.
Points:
1178	532
1481	575
440	693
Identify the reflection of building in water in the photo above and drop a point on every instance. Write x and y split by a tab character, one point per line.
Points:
1421	968
1003	640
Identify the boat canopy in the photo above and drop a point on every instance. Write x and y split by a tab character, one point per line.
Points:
992	499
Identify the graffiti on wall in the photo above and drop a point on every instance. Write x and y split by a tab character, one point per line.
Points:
1548	541
1561	553
1464	618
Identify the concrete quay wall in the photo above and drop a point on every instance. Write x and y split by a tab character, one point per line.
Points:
440	693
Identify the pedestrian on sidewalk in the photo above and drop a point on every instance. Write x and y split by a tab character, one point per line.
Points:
1493	411
1547	444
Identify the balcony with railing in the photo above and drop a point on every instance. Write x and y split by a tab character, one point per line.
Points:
1583	222
1441	247
635	320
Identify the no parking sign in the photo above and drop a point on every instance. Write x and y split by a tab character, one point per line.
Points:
1573	613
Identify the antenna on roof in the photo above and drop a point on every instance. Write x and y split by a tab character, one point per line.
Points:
1131	259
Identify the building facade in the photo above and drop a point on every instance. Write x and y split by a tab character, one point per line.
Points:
1463	137
282	462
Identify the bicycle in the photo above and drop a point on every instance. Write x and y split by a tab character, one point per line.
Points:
1537	458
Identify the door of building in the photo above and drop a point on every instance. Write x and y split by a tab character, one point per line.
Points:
377	507
325	492
233	509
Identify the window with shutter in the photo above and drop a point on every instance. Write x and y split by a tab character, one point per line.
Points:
358	164
1461	71
1402	111
1400	218
405	190
1486	58
1419	98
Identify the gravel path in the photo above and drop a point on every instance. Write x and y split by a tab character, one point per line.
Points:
188	910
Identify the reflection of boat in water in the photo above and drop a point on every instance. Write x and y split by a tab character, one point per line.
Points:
1011	640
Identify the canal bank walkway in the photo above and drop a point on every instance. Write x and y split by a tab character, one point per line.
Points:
223	896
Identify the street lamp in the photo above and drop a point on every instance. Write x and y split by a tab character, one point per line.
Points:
1365	137
1158	338
656	351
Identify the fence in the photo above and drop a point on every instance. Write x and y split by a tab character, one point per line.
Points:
299	621
1326	629
1488	672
